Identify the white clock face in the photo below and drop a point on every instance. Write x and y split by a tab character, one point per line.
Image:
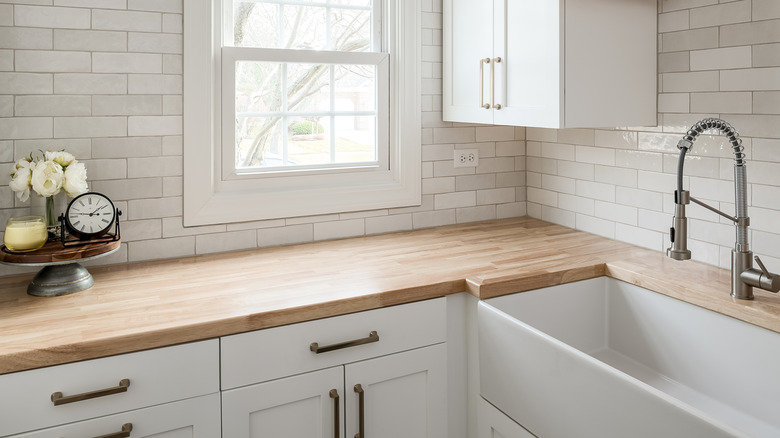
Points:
91	214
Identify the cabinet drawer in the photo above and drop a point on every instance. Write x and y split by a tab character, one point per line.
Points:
192	418
284	351
155	376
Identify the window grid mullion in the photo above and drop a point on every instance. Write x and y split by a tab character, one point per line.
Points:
284	119
332	134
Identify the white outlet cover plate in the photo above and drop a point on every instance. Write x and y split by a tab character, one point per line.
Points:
466	157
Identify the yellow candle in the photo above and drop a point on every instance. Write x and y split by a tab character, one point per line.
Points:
26	233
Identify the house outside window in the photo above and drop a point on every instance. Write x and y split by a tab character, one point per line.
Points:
297	108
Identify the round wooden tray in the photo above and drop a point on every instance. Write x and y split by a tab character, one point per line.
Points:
55	253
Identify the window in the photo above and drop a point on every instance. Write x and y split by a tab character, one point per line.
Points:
299	107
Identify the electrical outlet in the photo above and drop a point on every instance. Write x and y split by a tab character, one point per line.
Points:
466	157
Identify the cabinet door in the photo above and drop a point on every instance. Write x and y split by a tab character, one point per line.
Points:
529	79
404	395
492	423
467	40
193	418
294	407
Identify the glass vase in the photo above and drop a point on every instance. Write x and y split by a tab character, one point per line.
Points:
50	207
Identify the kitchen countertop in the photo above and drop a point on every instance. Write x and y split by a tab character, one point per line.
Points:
146	305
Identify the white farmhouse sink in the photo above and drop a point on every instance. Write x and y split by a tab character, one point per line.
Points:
603	358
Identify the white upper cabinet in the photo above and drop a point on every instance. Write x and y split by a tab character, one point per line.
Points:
551	64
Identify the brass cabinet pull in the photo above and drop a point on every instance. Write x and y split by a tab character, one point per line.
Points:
492	84
372	337
482	63
124	433
334	394
361	417
59	399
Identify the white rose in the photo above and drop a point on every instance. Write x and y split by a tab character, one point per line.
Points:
47	178
20	182
62	158
75	179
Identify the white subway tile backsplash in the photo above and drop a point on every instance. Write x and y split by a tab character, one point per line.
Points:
690	81
89	83
161	249
25	83
133	21
227	241
7	108
6	60
289	235
674	21
6	15
26	127
695	39
51	17
116	105
140	126
155	5
757	32
52	105
766	55
77	127
474	214
720	59
724	13
52	61
750	79
388	224
154	42
25	38
90	40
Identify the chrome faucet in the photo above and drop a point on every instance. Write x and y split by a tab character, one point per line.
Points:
743	276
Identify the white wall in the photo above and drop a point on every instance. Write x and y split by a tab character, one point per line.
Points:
102	79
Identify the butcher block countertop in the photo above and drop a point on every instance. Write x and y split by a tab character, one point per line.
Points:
139	306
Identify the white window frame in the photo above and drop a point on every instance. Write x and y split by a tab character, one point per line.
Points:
213	196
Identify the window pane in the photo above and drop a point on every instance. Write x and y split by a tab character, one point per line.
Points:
355	139
326	114
336	25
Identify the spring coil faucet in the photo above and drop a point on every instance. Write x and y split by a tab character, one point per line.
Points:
743	276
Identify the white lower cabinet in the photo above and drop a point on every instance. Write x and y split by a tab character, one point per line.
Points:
492	423
193	418
389	384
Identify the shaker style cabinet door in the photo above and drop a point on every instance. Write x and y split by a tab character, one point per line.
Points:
402	395
301	406
192	418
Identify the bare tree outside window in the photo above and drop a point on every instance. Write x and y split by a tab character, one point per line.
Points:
304	113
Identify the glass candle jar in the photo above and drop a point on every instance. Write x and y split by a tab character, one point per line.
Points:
26	233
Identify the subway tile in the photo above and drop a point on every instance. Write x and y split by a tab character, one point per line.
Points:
438	185
571	169
173	186
766	55
126	189
133	21
585	137
454	135
6	60
103	169
541	134
154	167
558	216
496	196
127	63
638	236
438	218
594	225
172	227
90	40
172	64
718	15
767	173
154	84
6	15
289	235
512	209
473	214
141	230
634	197
126	147
172	23
26	127
89	83
455	200
224	242
595	155
53	105
389	224
154	125
674	102
79	147
766	9
508	179
616	212
559	151
739	102
6	107
51	17
126	105
756	125
757	32
496	165
766	102
691	81
161	249
696	39
446	168
595	190
77	127
339	229
558	184
154	42
765	196
576	204
25	83
673	21
616	176
676	5
495	133
102	4
52	61
155	5
153	208
542	196
757	79
510	148
657	182
172	105
674	62
474	182
173	145
25	38
721	59
765	149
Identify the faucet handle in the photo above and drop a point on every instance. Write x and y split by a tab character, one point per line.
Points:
768	281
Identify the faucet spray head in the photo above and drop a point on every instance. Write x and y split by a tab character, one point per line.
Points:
679	231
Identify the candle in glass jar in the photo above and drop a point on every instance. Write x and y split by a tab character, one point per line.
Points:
26	233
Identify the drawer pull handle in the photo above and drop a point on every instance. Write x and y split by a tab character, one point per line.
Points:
124	433
372	337
59	399
361	417
334	394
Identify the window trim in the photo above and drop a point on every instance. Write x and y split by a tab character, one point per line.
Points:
210	199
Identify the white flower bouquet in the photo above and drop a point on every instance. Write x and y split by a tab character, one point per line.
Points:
47	175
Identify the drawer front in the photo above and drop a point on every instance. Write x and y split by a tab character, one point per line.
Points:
155	376
284	351
192	418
